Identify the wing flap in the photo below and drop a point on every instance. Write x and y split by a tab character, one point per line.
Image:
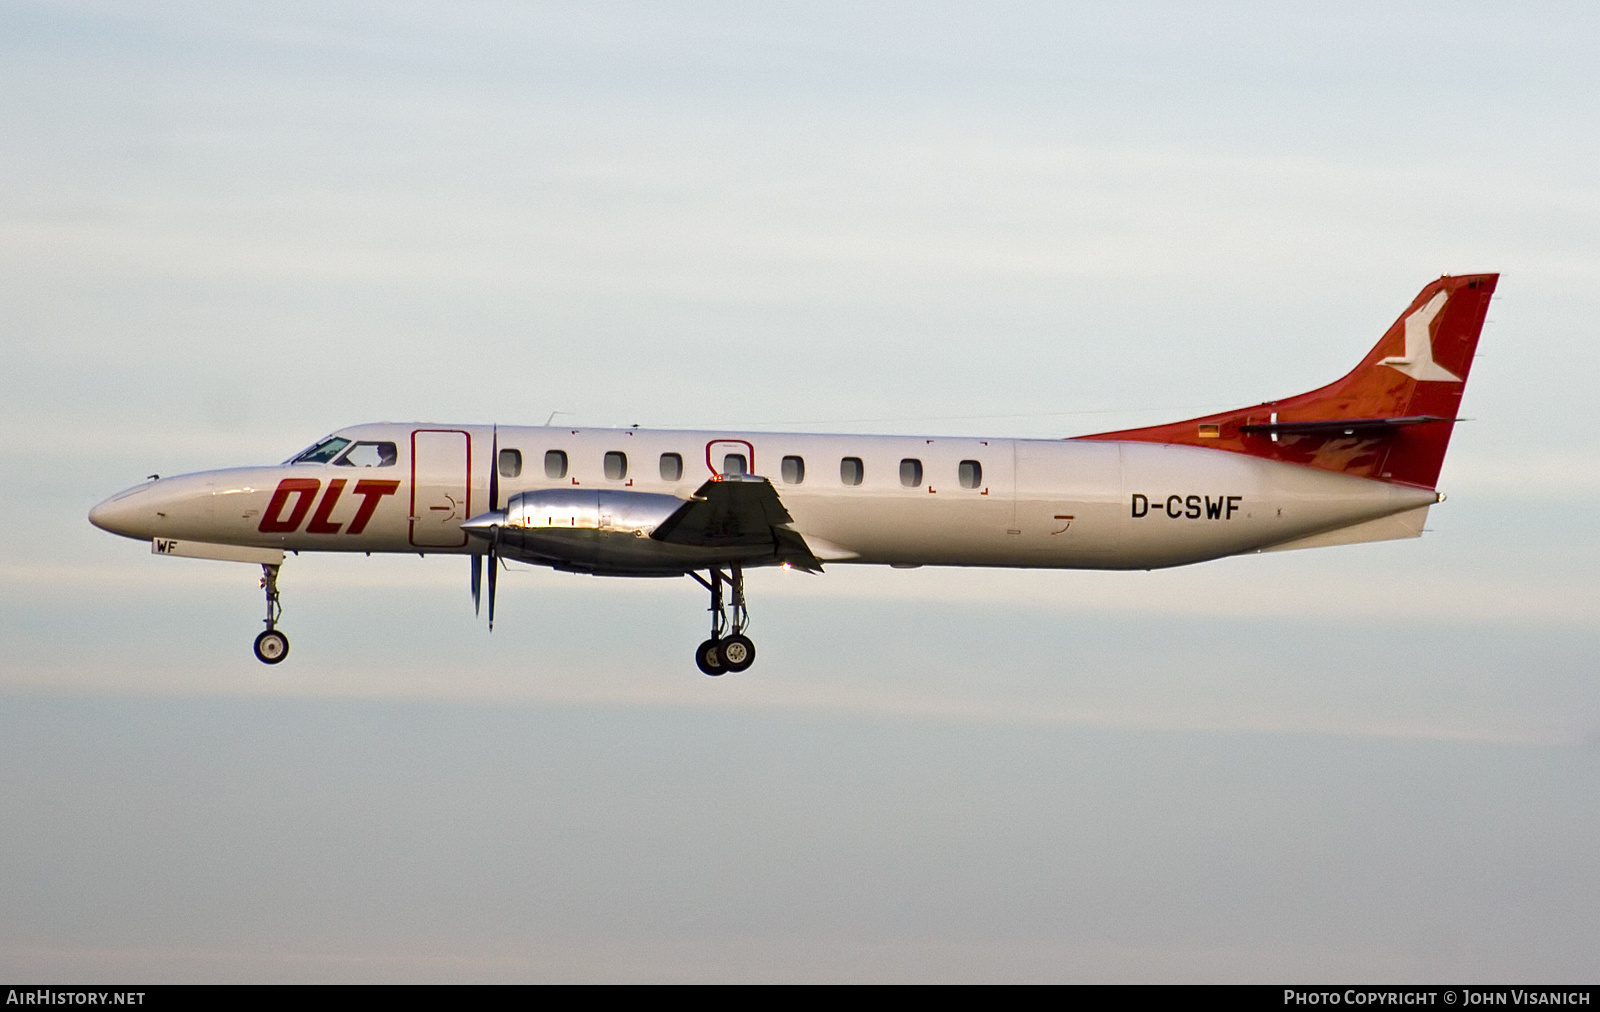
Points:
734	511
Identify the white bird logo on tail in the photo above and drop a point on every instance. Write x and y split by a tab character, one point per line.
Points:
1418	361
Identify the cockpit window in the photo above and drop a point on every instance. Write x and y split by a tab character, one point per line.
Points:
369	455
323	452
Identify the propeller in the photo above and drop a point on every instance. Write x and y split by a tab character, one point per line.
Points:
494	535
494	571
494	506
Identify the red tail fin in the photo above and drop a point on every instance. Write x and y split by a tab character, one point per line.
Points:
1389	419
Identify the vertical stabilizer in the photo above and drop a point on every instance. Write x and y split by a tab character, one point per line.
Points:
1389	419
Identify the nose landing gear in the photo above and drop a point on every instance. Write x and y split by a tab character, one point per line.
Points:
728	649
271	646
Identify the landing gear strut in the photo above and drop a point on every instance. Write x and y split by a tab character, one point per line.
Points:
272	646
728	649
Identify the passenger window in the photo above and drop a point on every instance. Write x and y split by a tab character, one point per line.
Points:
671	467
616	465
971	474
368	455
555	463
911	472
734	463
794	470
850	471
510	463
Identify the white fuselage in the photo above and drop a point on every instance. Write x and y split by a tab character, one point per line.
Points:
1033	503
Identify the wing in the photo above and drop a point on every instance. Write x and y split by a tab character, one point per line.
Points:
733	511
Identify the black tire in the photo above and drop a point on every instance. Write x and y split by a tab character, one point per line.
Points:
738	652
272	647
709	657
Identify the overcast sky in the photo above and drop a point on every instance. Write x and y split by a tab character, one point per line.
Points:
228	229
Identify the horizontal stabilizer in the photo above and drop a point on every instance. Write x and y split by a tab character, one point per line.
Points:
1339	426
1390	528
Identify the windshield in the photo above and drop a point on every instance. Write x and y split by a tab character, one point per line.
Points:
370	455
322	452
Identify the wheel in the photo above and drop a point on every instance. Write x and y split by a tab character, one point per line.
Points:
272	646
738	652
709	657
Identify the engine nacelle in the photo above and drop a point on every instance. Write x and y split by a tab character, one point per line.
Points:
632	513
600	531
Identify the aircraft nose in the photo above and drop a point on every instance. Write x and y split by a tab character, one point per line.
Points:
129	513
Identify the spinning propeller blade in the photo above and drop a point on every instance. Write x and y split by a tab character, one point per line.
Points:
494	535
494	571
494	504
494	470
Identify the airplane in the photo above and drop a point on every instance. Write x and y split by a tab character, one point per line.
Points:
1355	461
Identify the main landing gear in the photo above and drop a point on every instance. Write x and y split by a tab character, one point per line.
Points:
272	646
728	649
